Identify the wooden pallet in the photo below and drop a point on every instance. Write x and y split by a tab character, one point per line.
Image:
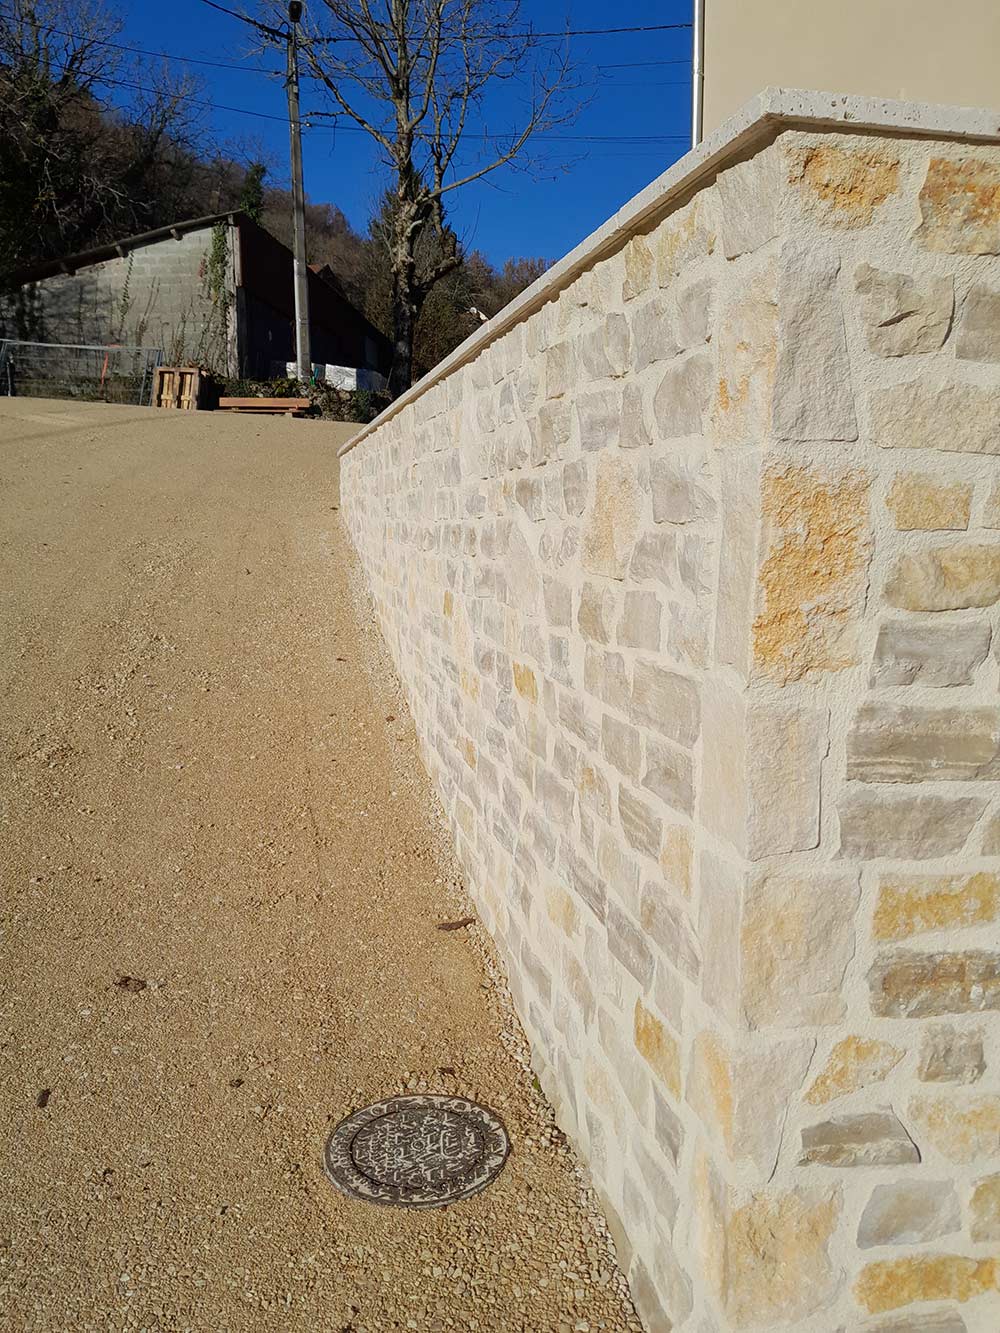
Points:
178	387
289	407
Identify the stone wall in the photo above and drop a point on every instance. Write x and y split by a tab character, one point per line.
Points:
690	565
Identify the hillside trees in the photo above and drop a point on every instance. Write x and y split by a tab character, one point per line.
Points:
74	171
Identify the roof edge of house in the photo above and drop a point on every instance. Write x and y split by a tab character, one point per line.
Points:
119	249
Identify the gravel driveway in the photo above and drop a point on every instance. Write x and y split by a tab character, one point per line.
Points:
222	878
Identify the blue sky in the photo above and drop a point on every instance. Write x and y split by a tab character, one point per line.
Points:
639	84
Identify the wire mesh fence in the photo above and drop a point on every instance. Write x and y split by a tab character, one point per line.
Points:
89	373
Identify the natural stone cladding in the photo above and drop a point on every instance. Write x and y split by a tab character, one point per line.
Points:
690	566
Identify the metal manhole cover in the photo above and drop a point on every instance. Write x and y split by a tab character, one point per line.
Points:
417	1152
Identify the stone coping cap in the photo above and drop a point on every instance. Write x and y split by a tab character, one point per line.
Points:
758	119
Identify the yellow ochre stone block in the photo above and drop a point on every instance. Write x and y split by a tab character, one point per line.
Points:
660	1050
919	503
813	576
525	683
844	185
854	1063
891	1283
934	902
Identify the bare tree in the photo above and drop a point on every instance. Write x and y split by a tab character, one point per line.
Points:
418	77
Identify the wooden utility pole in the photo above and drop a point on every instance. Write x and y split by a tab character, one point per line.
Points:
303	355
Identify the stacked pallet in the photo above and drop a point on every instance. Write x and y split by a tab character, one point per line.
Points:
178	387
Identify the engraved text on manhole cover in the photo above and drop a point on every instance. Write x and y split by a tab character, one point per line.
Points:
417	1152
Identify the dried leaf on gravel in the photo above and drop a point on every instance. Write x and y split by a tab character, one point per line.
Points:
132	984
456	925
42	1100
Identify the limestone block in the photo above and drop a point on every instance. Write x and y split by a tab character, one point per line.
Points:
605	677
639	626
890	1283
874	825
786	744
905	984
920	654
669	774
667	702
777	1268
938	1321
734	613
629	945
909	1212
853	1063
667	1128
600	414
962	1129
681	489
612	521
900	743
676	858
618	869
634	432
655	557
796	939
959	418
843	187
646	1299
560	370
594	790
578	986
621	745
595	616
903	314
984	1208
745	1097
909	905
667	924
658	1047
558	598
638	268
722	889
683	237
575	491
693	312
950	1055
921	503
604	351
748	196
586	883
684	395
550	430
960	207
746	334
813	577
812	384
642	826
654	335
872	1138
632	1072
978	336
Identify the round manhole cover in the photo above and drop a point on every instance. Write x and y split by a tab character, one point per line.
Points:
417	1152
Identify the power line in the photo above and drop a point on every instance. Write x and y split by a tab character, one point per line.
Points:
308	116
276	73
529	35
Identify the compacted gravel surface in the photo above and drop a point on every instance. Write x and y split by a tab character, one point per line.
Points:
223	873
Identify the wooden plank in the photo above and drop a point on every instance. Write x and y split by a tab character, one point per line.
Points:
264	404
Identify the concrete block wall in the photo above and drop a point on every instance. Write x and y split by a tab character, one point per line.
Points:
690	565
155	296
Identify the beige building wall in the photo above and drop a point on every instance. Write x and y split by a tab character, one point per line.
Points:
922	50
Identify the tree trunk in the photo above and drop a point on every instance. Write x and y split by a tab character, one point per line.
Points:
403	323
